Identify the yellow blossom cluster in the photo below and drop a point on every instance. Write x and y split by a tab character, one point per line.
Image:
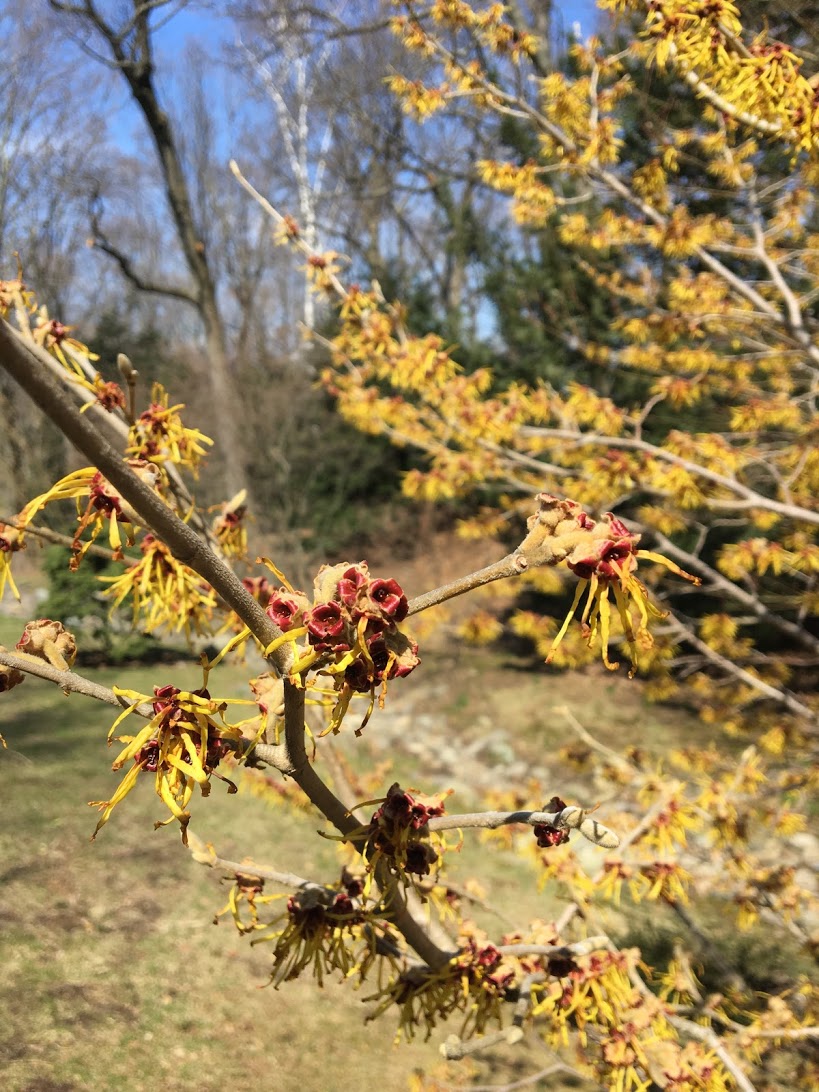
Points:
19	303
164	593
181	745
759	82
159	436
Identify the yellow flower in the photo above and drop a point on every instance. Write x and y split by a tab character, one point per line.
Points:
52	335
604	555
480	628
246	889
182	744
104	505
164	592
473	983
159	436
665	880
229	527
11	541
322	925
616	873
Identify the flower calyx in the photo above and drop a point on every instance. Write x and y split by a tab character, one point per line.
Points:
321	925
397	832
549	835
287	608
11	539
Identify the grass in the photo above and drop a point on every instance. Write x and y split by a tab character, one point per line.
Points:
112	975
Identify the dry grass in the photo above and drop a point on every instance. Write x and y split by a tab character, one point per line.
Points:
112	974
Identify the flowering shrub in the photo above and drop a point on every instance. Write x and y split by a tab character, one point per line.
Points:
691	327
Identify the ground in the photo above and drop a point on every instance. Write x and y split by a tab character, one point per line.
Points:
112	973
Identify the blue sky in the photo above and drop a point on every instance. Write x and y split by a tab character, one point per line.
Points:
583	11
196	23
211	32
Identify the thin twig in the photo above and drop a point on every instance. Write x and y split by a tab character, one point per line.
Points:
204	854
511	565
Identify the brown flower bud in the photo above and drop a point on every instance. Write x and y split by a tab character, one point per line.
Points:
49	641
325	585
268	691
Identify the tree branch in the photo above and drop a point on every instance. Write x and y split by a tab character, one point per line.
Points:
568	818
410	920
750	498
70	682
52	536
139	282
558	951
713	1042
205	855
727	587
781	696
24	367
511	565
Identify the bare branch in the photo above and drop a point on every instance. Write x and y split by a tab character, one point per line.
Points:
781	696
143	284
727	587
569	818
511	565
205	855
300	244
558	951
749	497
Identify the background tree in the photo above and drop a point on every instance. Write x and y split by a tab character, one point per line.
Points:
48	154
711	316
127	42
